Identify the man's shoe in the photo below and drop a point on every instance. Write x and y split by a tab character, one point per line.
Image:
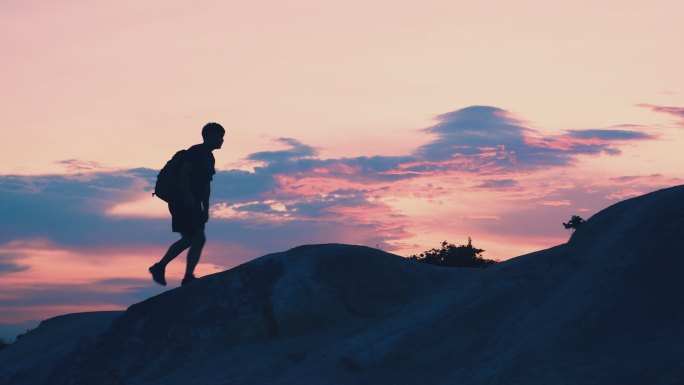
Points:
157	272
187	279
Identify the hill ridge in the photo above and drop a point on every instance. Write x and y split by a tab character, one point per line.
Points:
606	307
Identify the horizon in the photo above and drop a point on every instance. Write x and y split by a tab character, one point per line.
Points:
395	126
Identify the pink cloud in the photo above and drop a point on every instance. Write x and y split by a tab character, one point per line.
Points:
563	202
58	279
484	174
676	111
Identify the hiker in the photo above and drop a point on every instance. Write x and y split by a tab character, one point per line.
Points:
190	206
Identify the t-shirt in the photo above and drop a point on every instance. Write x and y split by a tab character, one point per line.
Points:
203	162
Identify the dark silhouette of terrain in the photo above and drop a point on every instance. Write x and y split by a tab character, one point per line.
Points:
607	308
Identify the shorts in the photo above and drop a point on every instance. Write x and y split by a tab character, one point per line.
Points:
184	220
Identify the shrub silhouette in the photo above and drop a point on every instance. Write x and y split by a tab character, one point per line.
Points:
21	335
456	256
574	223
3	344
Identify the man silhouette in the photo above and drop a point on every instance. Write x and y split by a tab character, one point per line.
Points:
190	211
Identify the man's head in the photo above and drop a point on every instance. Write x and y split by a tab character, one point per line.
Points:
213	133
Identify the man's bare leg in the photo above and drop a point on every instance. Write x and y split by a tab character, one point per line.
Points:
194	255
158	269
175	249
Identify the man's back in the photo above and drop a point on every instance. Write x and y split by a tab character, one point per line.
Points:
202	160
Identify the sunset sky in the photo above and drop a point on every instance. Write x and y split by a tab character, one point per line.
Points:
392	124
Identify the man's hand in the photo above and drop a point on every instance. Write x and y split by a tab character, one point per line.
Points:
189	202
197	216
205	216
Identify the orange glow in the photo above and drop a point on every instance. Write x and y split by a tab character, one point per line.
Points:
145	207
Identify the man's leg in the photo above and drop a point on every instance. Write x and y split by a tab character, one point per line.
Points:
194	255
175	249
158	269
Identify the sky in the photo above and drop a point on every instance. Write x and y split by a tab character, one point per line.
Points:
391	124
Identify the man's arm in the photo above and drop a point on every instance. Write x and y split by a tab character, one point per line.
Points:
185	171
205	204
205	199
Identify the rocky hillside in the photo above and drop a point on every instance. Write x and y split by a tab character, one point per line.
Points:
605	308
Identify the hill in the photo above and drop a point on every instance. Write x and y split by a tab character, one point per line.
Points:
606	307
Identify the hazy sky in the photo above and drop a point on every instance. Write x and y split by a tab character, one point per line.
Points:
394	124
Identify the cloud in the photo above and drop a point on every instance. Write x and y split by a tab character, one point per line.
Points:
297	150
293	196
472	131
77	165
563	202
70	209
483	139
610	135
9	263
675	111
294	184
479	140
637	178
546	206
243	186
497	183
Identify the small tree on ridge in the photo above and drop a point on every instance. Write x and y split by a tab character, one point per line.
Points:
574	223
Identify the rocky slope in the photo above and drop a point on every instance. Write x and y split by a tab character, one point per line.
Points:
607	307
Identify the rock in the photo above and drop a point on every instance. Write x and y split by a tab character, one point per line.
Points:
607	307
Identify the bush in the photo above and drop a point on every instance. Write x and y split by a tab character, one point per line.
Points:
457	256
574	223
3	344
21	335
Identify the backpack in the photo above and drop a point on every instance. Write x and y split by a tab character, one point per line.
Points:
167	187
